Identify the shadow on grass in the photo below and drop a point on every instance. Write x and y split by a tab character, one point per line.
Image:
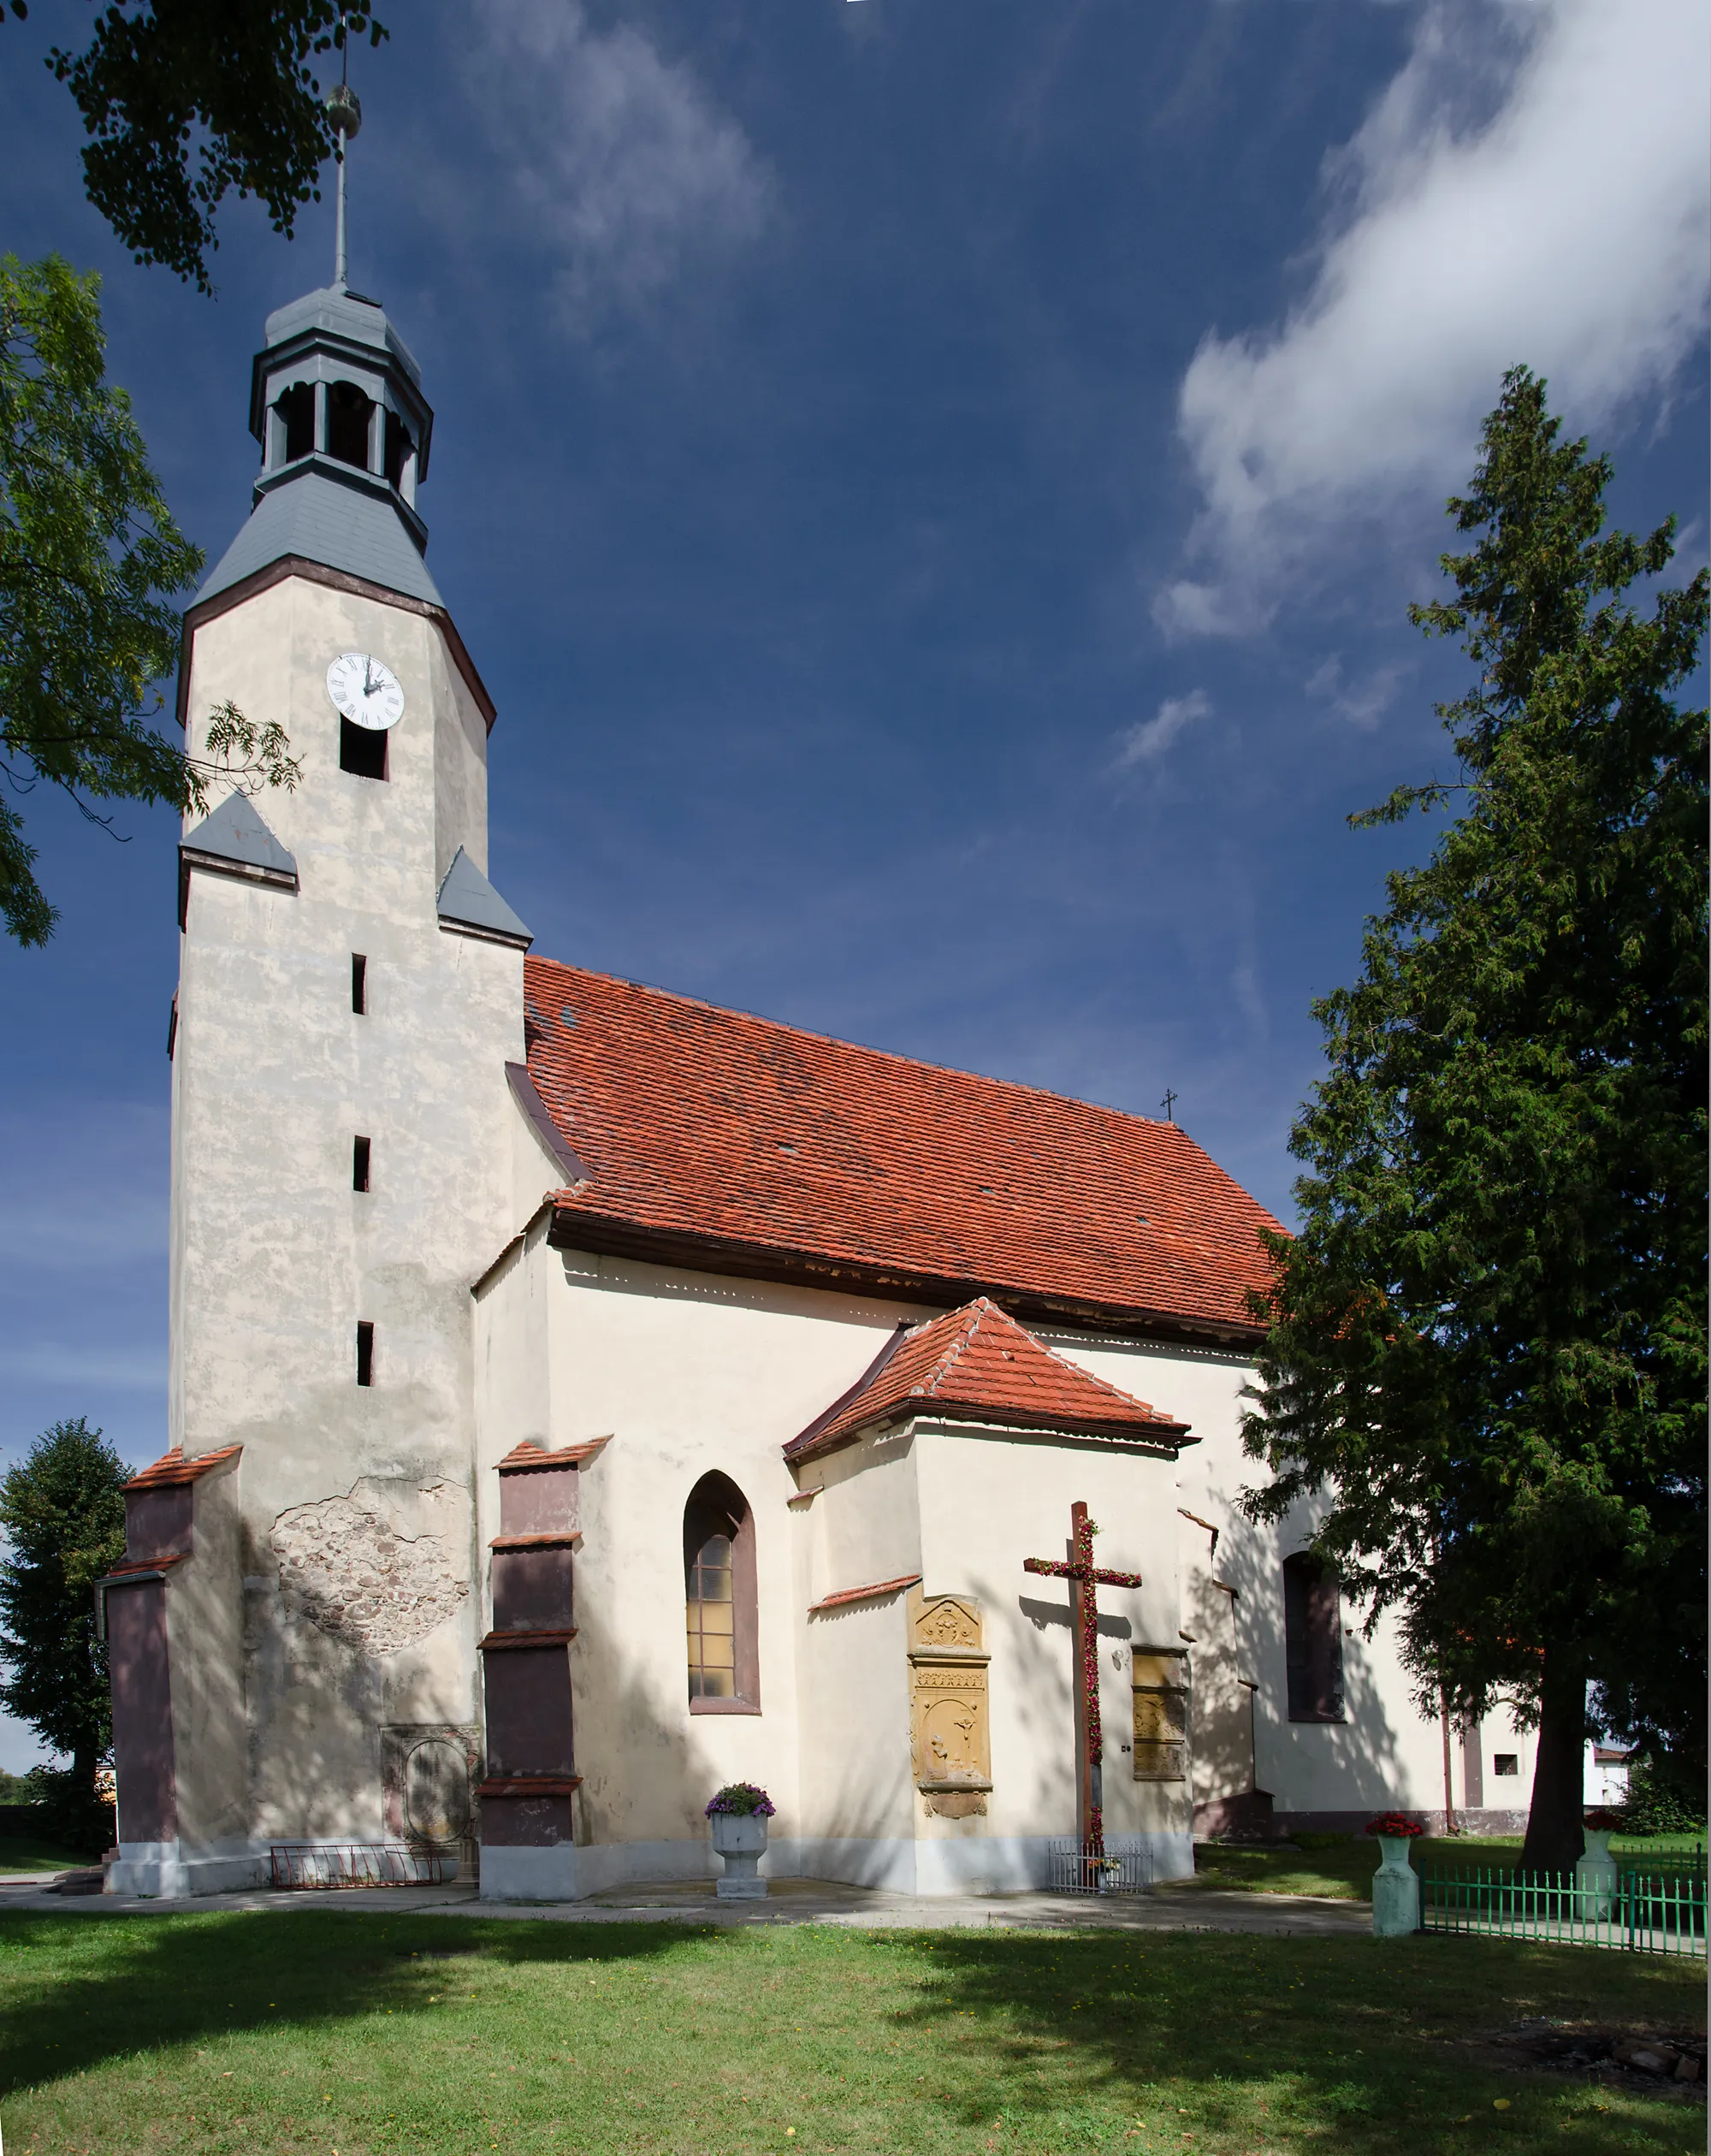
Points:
122	1985
1362	2045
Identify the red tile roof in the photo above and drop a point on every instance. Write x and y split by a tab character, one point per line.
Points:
729	1143
172	1470
875	1593
529	1458
978	1365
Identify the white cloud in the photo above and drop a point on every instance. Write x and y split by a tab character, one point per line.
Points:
1145	743
622	163
1531	187
1359	703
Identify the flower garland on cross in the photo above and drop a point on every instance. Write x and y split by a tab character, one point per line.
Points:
1084	1577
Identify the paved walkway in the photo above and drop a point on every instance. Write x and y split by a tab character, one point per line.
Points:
792	1901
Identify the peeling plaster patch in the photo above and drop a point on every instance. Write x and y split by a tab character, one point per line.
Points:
346	1567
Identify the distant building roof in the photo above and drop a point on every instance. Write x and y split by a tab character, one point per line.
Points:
978	1365
729	1143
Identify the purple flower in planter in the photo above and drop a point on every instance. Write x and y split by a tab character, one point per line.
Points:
742	1800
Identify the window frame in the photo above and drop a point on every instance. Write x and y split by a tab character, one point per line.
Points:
1314	1690
717	1507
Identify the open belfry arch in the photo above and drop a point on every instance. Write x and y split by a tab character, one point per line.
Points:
581	1396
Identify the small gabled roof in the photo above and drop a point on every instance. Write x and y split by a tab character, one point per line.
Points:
172	1470
236	833
470	904
977	1364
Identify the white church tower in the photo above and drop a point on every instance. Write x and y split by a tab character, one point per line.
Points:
350	993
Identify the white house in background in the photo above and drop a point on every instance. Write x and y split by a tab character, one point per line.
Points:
1607	1774
582	1397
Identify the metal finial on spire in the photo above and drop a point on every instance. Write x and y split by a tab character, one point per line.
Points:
343	109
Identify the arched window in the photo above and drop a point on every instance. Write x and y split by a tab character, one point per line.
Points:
399	448
347	424
1312	1637
723	1618
296	410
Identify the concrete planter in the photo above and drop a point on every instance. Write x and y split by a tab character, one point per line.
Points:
1396	1890
1595	1876
740	1838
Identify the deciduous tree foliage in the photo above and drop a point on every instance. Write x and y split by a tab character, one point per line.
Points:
89	558
229	79
62	1512
1486	1360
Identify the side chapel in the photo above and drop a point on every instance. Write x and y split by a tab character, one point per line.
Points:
582	1397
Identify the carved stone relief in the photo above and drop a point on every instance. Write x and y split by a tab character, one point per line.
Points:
429	1771
950	1721
350	1567
1161	1716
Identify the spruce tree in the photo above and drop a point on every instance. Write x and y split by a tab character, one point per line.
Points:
1486	1362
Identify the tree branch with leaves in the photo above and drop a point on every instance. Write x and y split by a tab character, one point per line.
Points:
231	78
90	559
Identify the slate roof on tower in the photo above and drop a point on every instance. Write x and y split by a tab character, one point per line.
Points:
978	1365
724	1142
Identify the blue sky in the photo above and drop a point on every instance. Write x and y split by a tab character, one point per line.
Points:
934	487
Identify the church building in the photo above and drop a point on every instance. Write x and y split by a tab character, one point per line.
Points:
582	1397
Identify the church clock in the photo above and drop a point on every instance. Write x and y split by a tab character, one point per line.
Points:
366	690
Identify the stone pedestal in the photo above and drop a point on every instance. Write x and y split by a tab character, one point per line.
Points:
741	1840
1595	1877
1396	1890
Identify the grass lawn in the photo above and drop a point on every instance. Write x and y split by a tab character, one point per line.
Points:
320	2030
1342	1866
25	1853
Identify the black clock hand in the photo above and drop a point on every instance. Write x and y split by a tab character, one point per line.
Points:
368	682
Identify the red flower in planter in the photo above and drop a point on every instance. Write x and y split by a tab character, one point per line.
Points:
1396	1823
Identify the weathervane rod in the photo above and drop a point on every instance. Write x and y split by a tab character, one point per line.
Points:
345	112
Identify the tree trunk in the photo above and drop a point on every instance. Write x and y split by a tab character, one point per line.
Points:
1554	1834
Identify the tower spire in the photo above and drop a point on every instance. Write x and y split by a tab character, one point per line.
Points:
345	109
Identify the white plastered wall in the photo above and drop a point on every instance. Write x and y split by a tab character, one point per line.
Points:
689	1373
275	1258
1384	1753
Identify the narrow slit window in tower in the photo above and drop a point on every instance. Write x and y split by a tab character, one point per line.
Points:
359	1164
365	1353
359	984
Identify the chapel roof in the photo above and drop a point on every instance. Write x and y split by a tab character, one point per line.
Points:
976	1364
724	1142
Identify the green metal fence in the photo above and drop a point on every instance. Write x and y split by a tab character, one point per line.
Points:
1650	1910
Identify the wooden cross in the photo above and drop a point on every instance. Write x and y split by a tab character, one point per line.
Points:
1084	1577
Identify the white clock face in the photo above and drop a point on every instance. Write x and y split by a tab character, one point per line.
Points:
365	691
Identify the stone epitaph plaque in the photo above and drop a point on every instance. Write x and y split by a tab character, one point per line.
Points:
950	1724
1161	1716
